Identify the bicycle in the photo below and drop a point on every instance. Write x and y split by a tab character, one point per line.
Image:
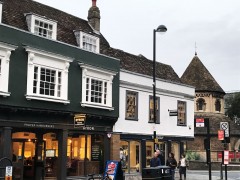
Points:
99	177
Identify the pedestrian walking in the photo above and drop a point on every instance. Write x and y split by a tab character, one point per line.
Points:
172	163
182	166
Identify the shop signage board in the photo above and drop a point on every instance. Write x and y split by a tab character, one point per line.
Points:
111	169
200	122
79	120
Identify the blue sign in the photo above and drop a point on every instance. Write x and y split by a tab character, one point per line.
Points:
111	169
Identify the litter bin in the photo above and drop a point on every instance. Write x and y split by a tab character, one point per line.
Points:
159	172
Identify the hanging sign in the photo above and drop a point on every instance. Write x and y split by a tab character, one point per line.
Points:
79	120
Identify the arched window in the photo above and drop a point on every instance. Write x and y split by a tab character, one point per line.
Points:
218	105
201	105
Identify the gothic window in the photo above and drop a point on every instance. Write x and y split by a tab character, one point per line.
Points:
201	105
218	105
131	105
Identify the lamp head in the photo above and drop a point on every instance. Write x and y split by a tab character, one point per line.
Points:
161	28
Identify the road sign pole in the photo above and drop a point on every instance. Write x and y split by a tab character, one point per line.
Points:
225	148
208	149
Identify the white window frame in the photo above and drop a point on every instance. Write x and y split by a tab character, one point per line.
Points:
100	75
39	58
0	12
79	37
30	18
5	53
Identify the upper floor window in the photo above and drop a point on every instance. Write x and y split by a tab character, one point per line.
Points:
201	105
131	105
151	110
5	53
87	41
96	87
47	76
47	81
41	26
182	115
218	105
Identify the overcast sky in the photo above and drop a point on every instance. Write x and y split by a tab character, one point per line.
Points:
213	25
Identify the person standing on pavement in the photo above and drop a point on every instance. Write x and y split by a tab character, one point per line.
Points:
160	156
172	163
155	161
182	166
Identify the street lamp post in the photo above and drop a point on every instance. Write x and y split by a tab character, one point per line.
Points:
162	29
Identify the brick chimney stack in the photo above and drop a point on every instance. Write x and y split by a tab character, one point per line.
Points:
94	16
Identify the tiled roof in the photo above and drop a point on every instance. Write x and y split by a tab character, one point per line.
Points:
198	76
13	15
142	65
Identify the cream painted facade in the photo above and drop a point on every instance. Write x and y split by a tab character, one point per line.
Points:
210	102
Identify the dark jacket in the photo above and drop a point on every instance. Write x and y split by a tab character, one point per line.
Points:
171	162
155	161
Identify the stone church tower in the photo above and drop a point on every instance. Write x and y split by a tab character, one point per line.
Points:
209	103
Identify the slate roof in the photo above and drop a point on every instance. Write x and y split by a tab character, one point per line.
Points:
198	76
13	15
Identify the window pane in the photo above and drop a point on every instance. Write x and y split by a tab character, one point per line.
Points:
181	113
131	105
151	109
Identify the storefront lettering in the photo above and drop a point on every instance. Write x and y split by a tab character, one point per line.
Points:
39	125
88	128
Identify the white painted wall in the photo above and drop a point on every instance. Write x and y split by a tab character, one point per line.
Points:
169	94
0	12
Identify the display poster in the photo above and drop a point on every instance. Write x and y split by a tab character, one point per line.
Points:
95	153
111	169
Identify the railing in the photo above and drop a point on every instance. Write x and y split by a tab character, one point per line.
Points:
228	165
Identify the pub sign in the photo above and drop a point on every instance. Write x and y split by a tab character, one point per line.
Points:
79	120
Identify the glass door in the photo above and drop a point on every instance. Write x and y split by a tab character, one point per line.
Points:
23	159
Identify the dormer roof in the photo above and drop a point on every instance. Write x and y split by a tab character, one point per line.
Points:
67	24
198	76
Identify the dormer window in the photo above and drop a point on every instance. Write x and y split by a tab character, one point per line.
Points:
87	41
42	26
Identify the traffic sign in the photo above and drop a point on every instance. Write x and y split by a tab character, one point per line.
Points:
224	126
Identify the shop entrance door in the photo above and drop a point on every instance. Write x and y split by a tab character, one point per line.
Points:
23	158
